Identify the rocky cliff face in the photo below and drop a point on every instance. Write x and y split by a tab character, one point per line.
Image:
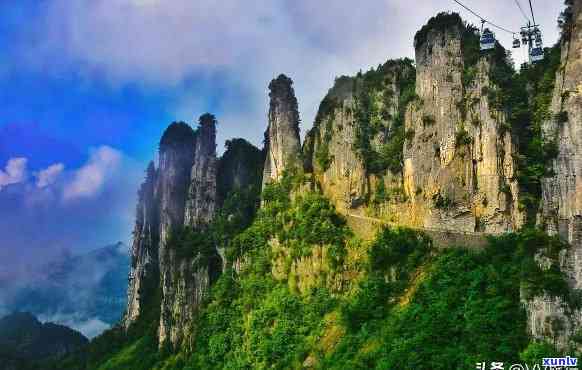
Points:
177	148
200	206
435	155
428	147
282	143
187	200
179	196
562	193
144	272
458	156
329	148
358	127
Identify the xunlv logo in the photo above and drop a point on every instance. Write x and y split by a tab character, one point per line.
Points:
560	361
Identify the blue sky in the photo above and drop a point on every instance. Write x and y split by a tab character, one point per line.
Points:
88	86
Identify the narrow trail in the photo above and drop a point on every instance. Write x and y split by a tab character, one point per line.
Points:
443	238
383	222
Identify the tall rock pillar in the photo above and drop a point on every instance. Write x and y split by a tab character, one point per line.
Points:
459	172
177	148
201	201
144	273
282	143
186	269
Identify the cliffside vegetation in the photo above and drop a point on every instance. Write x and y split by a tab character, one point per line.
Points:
380	97
381	101
406	304
565	20
530	107
240	166
177	133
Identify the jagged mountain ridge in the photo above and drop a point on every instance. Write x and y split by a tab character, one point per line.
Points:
182	194
457	169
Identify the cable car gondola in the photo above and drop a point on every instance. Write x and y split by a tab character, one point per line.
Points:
516	43
487	41
536	55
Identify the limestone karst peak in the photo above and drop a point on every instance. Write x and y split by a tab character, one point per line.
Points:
440	23
282	143
177	133
207	120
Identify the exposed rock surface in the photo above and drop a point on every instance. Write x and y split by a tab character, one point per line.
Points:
562	193
458	171
458	164
282	143
333	144
201	201
176	160
144	272
180	194
344	180
452	171
188	196
177	148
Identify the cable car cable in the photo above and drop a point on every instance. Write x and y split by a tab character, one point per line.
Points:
532	14
483	19
521	10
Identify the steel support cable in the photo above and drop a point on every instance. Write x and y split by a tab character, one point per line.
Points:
533	17
521	10
483	19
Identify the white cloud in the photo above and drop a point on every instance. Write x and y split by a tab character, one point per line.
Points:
14	172
88	327
91	328
89	179
244	44
49	175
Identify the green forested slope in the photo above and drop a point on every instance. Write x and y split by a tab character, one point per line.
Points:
394	303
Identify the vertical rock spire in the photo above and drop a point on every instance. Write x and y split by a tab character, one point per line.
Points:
201	201
177	148
457	156
159	212
176	199
184	278
144	273
282	143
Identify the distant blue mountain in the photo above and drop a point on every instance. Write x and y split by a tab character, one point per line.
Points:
85	292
